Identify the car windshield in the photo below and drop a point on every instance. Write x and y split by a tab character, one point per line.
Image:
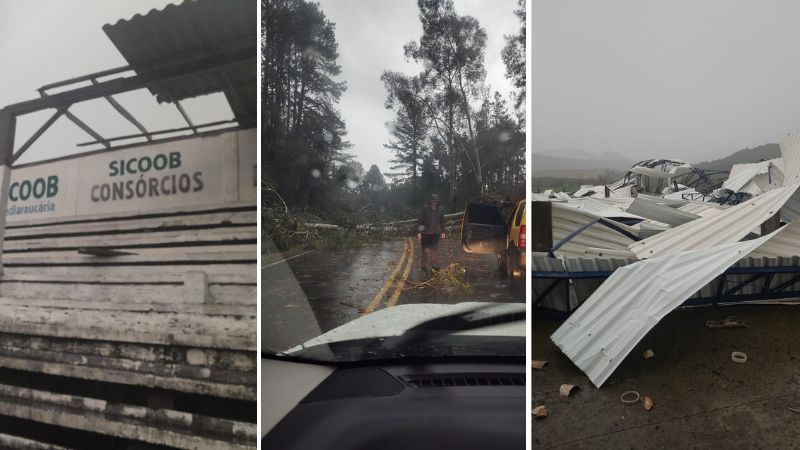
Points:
393	179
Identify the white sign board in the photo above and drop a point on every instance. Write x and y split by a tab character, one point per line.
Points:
203	171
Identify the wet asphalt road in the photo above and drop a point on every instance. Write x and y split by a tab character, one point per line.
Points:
702	399
310	293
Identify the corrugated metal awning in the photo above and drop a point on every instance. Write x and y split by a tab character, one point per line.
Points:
196	29
603	331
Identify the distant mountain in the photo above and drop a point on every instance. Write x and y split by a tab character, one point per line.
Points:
577	160
574	166
748	155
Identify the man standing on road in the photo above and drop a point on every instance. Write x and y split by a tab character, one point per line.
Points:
431	228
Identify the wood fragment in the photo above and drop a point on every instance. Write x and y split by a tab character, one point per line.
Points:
540	412
538	364
566	389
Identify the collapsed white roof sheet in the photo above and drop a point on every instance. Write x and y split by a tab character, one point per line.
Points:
568	218
605	207
790	151
702	209
585	189
647	171
604	330
730	225
655	210
755	178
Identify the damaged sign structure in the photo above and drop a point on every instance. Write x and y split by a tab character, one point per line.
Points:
128	289
621	257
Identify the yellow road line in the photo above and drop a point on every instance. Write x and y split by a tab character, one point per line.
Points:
400	283
376	301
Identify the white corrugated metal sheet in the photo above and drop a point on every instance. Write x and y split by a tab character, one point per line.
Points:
755	178
702	209
790	151
584	287
731	225
655	210
604	330
567	219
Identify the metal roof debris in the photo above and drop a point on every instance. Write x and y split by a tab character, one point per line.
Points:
604	330
729	226
667	235
183	32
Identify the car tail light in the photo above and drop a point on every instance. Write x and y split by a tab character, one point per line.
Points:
522	237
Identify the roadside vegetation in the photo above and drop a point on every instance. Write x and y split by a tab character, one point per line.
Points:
451	133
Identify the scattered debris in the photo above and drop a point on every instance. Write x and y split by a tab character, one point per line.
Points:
630	397
538	365
540	412
738	357
676	230
566	389
350	305
793	409
730	322
648	402
452	277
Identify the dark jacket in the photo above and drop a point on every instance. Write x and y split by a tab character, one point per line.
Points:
431	220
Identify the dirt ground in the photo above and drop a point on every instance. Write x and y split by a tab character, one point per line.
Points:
702	399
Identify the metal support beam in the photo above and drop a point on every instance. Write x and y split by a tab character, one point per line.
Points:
547	292
8	125
786	284
212	61
124	113
87	129
159	132
37	134
186	116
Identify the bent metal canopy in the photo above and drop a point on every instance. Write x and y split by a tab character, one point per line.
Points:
604	330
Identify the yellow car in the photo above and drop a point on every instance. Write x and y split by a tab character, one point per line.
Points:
491	228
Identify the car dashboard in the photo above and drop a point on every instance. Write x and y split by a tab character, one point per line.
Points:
420	405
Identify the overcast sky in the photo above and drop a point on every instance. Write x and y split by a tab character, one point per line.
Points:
685	79
45	41
371	35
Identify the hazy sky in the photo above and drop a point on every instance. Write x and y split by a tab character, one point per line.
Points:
45	41
685	79
371	35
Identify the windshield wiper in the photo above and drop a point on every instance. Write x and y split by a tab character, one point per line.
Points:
433	329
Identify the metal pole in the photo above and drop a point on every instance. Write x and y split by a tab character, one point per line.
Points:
7	127
542	230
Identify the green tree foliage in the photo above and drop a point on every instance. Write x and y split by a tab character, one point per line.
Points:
373	180
441	143
409	130
303	146
514	57
501	141
451	52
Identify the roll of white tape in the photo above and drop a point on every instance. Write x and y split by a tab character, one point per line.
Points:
738	357
629	397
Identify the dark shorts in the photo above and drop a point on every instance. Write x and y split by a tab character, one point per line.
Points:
429	240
